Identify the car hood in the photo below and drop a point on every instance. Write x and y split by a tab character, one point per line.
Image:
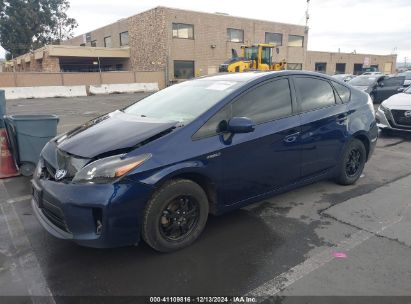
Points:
111	132
401	101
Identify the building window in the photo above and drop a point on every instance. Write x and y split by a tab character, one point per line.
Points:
235	35
107	42
294	40
274	38
321	67
94	43
295	66
183	31
183	69
124	39
340	68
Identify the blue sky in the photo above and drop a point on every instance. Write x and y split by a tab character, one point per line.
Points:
367	26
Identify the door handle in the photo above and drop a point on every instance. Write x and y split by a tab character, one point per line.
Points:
341	118
292	137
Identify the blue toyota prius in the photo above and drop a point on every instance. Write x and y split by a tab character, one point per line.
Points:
156	169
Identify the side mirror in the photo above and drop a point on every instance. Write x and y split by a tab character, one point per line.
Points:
381	84
400	90
240	125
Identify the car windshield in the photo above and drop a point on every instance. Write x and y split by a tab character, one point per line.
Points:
362	81
185	101
407	75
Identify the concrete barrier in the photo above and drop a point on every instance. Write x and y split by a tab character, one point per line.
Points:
123	88
77	91
44	92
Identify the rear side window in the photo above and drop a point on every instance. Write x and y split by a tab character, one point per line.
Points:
342	91
315	93
267	102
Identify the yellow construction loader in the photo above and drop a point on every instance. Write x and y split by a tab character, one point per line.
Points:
254	57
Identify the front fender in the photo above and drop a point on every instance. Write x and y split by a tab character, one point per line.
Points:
165	173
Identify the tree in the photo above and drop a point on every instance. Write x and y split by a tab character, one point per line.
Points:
26	25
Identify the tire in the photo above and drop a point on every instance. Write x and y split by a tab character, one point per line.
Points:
162	224
348	170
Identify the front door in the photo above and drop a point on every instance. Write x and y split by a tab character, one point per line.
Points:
388	87
269	157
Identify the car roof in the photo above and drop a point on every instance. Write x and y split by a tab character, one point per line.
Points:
253	75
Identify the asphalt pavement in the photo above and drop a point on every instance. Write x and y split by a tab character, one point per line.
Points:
319	240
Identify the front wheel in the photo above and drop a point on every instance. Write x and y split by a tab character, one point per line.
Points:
175	216
352	163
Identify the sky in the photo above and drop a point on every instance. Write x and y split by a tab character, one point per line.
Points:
366	26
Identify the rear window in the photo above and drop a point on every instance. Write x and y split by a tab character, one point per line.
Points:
343	92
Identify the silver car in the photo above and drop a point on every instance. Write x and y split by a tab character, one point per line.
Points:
395	112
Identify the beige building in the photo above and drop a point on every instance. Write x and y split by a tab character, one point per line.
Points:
182	44
348	63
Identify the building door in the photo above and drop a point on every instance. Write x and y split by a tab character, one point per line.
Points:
357	68
340	68
321	67
387	67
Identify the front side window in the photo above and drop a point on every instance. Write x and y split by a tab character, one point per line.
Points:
107	42
295	40
235	35
315	93
267	102
274	38
183	102
124	39
183	31
394	81
183	69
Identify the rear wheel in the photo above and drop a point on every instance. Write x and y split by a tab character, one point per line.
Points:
352	163
175	216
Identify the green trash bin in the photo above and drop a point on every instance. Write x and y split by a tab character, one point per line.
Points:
28	134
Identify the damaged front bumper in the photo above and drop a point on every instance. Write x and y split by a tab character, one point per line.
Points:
93	215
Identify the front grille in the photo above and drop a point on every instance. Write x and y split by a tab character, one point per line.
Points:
400	118
54	215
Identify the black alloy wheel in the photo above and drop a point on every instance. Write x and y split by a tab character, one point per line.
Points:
179	218
353	163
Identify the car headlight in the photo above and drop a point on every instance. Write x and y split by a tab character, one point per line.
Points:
383	108
108	169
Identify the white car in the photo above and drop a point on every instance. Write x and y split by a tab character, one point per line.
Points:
395	112
407	75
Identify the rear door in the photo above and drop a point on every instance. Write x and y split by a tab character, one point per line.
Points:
323	123
388	87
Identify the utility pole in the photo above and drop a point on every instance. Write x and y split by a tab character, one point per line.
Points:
307	15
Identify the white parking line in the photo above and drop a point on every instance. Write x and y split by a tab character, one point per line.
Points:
279	283
26	259
296	273
18	199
